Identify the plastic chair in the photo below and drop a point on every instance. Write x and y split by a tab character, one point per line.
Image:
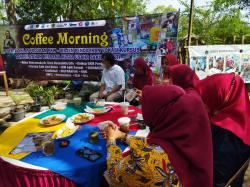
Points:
3	73
242	168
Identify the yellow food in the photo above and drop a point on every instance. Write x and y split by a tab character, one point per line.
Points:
97	110
81	118
66	132
51	120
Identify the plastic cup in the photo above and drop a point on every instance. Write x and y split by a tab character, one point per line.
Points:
124	124
139	117
48	148
124	108
77	101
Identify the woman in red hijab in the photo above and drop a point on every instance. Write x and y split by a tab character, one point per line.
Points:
143	74
178	148
181	131
183	76
167	61
226	99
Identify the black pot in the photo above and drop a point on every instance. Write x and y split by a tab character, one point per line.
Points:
35	108
18	115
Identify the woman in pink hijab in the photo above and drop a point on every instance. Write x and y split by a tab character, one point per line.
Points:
227	102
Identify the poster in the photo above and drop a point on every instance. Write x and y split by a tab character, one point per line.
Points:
212	59
32	142
245	67
72	50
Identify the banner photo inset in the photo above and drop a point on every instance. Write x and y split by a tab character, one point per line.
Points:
212	59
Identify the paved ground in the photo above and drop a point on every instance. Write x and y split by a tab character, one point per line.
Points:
247	178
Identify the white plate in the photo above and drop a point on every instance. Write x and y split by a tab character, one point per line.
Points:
70	126
91	116
60	116
91	110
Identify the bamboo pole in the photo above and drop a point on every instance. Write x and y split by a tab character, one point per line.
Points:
190	22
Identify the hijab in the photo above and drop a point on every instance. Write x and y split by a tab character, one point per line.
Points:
179	124
146	78
170	60
227	100
182	75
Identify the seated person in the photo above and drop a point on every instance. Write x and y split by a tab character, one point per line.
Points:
227	103
171	154
113	80
182	75
166	61
143	76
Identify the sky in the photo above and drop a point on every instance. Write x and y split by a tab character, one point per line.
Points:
174	3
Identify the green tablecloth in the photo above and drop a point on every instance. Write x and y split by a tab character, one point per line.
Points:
69	111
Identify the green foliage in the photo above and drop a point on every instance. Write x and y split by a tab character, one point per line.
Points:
163	9
42	95
215	24
3	17
31	11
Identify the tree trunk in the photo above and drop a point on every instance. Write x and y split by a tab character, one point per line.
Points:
11	11
71	11
234	39
243	39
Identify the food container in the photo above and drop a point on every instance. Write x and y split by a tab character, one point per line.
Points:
59	106
124	124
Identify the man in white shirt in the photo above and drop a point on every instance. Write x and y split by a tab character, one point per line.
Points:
113	80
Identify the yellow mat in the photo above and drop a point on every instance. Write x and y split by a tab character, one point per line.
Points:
14	134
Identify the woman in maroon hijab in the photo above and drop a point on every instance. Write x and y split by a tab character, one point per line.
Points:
226	99
181	131
143	74
166	61
177	129
183	76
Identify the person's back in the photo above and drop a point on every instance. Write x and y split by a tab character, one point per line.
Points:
227	102
171	154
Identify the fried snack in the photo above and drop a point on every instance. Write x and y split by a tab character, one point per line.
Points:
81	118
51	120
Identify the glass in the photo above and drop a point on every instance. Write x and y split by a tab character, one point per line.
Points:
93	137
48	148
124	107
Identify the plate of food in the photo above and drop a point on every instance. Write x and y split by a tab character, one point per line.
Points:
66	131
97	111
82	118
53	119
